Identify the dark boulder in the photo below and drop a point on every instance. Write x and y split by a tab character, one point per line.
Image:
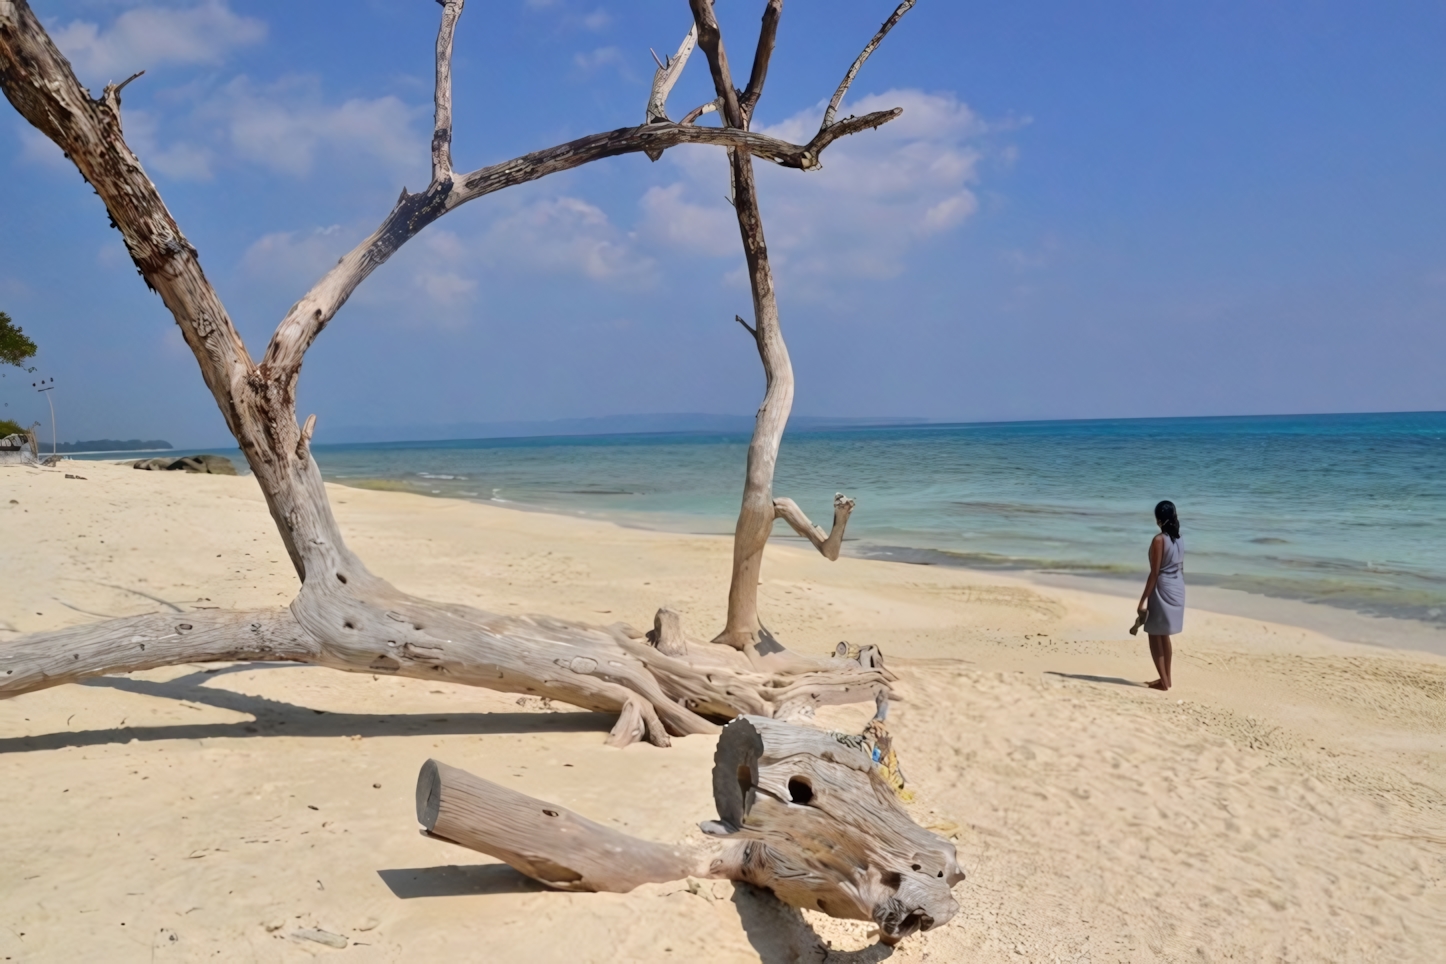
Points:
203	464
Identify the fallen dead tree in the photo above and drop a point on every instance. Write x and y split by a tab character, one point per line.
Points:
344	616
803	813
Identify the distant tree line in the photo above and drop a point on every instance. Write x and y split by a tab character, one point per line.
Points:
113	445
15	349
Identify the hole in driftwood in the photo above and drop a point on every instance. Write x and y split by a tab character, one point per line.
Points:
348	624
341	579
799	791
550	813
915	867
184	627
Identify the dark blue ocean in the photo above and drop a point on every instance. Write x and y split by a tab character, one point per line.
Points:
1348	510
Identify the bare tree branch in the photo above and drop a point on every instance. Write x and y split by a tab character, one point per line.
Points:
122	85
746	326
826	543
414	212
853	71
710	38
442	129
767	37
135	643
667	75
699	111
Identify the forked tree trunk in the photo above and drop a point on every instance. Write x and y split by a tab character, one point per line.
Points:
743	629
800	812
344	616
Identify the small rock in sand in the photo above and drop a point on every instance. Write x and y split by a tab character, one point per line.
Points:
320	937
203	464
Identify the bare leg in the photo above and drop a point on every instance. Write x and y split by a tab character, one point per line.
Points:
1167	653
1159	650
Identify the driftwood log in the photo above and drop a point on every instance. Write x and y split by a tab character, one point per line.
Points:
804	813
344	616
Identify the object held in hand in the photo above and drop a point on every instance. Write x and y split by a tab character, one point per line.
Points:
1139	621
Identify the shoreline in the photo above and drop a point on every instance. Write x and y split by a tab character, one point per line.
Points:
1344	623
1338	622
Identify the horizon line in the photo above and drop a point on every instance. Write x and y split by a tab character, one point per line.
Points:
843	423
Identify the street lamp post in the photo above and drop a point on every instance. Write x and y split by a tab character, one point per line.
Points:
44	388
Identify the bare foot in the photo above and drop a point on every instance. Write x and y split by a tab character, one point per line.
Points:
1158	684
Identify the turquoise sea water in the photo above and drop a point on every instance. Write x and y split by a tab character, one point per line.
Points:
1348	510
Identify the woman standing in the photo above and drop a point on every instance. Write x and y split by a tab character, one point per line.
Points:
1163	602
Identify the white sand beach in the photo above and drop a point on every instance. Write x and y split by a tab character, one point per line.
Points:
1285	802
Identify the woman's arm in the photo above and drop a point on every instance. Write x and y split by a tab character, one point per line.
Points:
1157	552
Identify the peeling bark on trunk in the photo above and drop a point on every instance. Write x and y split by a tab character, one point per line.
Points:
801	812
344	617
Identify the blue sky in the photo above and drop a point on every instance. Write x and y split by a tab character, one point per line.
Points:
1087	210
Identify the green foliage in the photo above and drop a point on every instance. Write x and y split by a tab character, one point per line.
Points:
9	428
15	348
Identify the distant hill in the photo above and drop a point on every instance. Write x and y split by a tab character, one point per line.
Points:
111	445
603	425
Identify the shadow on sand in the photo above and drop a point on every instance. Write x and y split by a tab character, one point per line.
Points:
1096	679
278	718
777	932
781	935
457	881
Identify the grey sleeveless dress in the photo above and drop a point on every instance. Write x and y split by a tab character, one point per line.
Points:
1167	600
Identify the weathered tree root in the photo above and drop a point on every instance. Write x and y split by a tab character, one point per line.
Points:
800	812
366	626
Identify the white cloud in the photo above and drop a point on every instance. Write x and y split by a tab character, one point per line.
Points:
670	219
444	274
445	288
284	126
36	148
595	60
297	259
599	19
182	161
436	278
601	57
565	235
150	36
879	193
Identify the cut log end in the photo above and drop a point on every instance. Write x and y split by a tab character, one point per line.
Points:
545	841
817	824
667	633
429	796
801	812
